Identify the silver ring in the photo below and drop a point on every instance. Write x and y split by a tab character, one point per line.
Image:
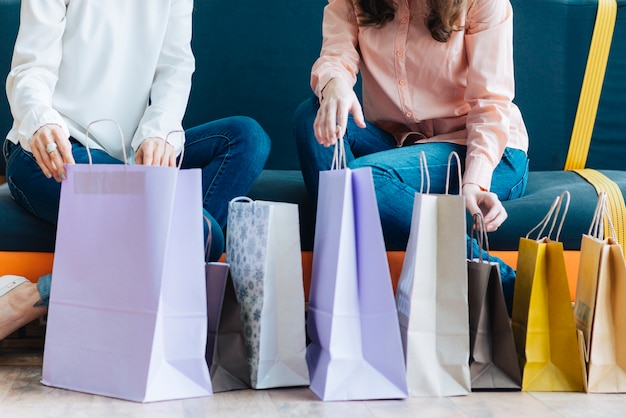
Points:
338	129
51	147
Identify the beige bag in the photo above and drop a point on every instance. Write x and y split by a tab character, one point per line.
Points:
432	297
600	306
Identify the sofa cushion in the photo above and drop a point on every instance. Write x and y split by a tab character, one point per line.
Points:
524	213
20	231
543	187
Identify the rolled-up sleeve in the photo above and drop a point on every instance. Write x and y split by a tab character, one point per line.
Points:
490	87
172	80
34	69
339	56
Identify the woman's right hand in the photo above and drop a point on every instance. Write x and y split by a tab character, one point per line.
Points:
338	100
51	158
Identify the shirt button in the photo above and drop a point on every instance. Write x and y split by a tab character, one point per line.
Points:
402	82
400	53
409	114
404	20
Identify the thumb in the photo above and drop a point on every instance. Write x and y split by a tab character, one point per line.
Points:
472	206
357	113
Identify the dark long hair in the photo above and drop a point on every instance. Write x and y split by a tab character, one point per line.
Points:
441	17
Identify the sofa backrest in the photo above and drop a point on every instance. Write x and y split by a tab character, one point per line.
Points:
254	59
551	43
9	21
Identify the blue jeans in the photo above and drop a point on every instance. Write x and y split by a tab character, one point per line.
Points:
231	153
396	171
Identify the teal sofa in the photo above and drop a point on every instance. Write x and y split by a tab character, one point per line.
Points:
254	58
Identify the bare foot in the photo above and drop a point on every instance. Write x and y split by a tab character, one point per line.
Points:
18	307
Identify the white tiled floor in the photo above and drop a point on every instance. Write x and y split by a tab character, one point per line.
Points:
23	396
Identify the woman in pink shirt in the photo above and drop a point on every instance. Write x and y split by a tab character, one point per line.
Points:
437	76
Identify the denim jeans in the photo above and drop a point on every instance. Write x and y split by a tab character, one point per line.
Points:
396	170
230	152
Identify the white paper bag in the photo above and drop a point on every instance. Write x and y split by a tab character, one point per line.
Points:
432	298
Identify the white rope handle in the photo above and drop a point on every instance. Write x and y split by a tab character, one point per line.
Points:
182	151
87	138
561	201
596	229
607	216
545	219
424	173
458	169
241	199
564	198
601	215
339	156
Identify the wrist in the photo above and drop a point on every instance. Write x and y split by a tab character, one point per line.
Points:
474	186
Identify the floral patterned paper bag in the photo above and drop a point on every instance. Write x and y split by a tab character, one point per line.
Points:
263	250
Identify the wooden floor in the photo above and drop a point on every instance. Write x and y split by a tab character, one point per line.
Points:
23	396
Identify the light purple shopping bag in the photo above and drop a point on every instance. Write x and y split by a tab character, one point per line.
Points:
356	349
127	315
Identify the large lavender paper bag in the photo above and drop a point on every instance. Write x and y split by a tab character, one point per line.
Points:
127	315
356	349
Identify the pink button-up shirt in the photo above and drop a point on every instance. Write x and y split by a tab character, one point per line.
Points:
422	90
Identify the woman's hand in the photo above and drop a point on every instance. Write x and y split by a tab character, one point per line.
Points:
52	149
156	151
338	100
487	203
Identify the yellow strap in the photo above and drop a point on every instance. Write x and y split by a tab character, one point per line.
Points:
586	117
592	85
615	199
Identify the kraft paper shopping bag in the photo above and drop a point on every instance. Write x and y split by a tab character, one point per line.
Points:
127	314
263	250
225	350
355	350
600	306
432	295
543	319
493	359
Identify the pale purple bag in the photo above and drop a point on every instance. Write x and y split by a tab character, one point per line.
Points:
356	350
127	315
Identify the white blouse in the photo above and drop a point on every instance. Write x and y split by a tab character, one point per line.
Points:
77	61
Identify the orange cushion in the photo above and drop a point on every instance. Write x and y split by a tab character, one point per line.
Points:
396	258
31	265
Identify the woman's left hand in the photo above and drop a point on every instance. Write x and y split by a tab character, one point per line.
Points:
156	151
487	203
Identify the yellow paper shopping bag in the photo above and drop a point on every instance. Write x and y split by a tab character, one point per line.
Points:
600	306
543	319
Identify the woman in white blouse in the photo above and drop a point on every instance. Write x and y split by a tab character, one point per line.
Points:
79	61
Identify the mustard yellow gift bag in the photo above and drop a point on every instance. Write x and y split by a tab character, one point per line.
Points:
600	307
543	319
